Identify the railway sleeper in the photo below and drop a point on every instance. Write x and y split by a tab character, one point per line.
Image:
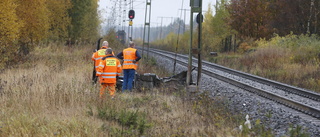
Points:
151	80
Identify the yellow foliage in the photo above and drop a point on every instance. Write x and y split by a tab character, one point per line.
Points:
207	30
244	47
59	18
9	28
34	14
23	23
9	31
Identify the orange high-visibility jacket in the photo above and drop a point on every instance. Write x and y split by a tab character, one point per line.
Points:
97	56
109	68
129	55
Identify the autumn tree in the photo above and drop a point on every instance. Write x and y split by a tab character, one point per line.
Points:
296	16
208	37
316	21
59	19
84	20
250	17
24	23
263	18
34	16
9	31
216	27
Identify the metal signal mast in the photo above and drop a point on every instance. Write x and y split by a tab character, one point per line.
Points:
131	15
147	27
196	7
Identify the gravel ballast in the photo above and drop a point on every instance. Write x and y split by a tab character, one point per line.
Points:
273	115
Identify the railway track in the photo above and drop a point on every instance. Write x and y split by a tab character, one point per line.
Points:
305	101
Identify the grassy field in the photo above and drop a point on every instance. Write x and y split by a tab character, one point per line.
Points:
51	94
292	59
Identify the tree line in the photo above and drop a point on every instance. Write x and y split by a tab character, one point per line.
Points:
24	23
236	21
263	18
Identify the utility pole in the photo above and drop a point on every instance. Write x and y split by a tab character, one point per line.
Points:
141	31
138	31
119	16
147	26
161	28
155	34
184	19
124	15
110	23
161	25
196	7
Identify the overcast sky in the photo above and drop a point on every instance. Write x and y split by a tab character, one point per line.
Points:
159	8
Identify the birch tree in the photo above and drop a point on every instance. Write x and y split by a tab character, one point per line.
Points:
9	31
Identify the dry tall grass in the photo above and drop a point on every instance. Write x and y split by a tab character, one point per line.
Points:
47	95
51	95
291	59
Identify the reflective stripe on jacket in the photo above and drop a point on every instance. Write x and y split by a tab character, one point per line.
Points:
129	55
97	56
109	69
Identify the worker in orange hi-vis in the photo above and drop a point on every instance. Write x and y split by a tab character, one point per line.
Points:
97	56
108	71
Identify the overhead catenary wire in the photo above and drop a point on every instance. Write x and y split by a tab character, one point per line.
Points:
118	13
175	55
138	4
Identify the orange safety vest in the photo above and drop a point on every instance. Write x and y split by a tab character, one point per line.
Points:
109	68
129	54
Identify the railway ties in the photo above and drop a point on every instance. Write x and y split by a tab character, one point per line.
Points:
301	100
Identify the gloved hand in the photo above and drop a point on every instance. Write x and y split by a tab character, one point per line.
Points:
134	61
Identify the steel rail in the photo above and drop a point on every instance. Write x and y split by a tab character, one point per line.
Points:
285	87
309	110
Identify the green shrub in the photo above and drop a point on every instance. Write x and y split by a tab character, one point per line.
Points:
128	120
298	132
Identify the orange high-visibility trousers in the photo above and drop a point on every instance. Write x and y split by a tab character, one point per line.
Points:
111	87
